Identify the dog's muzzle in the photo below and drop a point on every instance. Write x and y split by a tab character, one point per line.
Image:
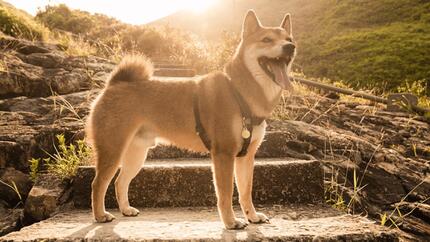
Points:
289	49
276	68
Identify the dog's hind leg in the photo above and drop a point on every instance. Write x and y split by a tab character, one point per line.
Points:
104	174
244	169
223	166
132	162
109	145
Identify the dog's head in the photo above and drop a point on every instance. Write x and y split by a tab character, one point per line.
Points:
270	48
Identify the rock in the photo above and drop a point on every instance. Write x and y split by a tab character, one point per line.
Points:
399	101
45	198
45	60
10	219
25	46
22	182
47	71
189	183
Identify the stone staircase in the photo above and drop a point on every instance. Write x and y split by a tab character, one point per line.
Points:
188	183
176	197
163	67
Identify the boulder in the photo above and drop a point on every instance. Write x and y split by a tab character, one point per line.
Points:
10	219
47	71
9	179
45	198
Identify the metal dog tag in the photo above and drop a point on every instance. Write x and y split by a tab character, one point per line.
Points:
245	133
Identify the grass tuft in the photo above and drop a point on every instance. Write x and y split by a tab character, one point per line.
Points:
15	189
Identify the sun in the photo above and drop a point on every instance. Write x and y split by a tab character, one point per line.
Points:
198	6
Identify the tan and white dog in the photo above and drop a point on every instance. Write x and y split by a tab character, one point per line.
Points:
135	110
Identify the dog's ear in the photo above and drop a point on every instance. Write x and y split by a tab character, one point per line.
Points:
250	24
287	25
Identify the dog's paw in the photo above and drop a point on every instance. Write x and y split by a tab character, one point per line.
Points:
237	224
258	218
130	212
105	218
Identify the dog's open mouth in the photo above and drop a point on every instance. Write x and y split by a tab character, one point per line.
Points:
276	68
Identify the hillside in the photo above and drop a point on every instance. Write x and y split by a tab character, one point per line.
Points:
368	44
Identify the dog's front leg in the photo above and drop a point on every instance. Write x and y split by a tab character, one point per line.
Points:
223	166
244	171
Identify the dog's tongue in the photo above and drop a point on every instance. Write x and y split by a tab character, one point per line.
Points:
279	69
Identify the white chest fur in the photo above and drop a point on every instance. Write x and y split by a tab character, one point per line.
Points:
258	132
271	89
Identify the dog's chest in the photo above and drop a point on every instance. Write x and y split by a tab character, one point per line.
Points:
258	132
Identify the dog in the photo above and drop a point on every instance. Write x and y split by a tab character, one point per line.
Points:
222	113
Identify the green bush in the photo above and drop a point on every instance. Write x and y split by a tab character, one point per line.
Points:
18	24
62	18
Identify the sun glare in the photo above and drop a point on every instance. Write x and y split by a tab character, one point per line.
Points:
130	11
198	6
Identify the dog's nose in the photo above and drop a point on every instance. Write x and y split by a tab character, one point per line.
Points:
289	48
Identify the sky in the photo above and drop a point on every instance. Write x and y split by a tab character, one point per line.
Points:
129	11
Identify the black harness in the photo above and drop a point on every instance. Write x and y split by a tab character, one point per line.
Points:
248	121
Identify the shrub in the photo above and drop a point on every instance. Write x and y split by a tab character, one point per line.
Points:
18	24
62	18
66	159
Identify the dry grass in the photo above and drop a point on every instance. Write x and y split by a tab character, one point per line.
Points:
15	189
72	45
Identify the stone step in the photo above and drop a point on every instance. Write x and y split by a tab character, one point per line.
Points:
170	65
174	72
188	183
276	144
287	223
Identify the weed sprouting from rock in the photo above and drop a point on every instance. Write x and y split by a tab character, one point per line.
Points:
34	168
66	159
14	187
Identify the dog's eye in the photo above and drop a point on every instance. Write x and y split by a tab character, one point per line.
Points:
289	39
267	40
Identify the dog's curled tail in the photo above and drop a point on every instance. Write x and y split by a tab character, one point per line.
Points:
132	68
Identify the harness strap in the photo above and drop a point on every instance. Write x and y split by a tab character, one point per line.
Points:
248	121
200	130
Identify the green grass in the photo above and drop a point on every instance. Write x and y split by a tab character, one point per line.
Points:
368	44
375	58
